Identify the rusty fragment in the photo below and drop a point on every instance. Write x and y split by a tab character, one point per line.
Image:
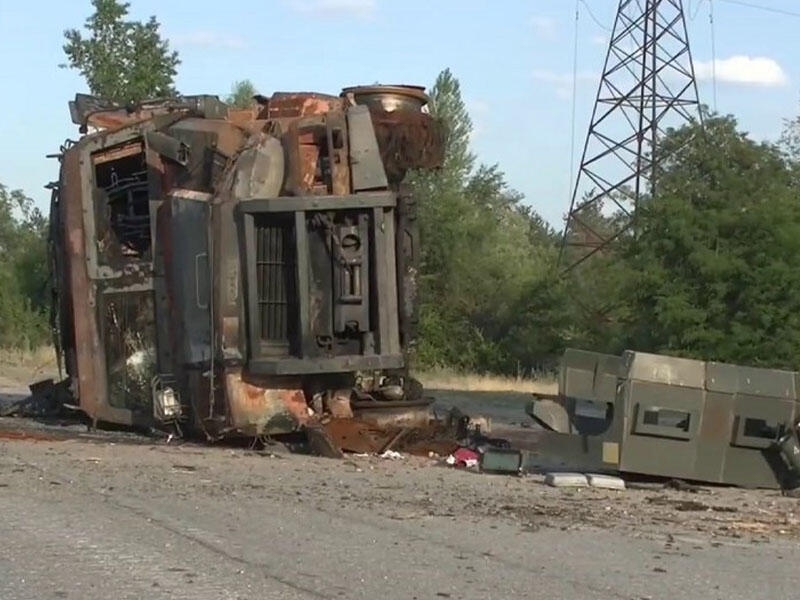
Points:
408	140
365	437
282	105
356	436
321	444
258	405
15	435
338	404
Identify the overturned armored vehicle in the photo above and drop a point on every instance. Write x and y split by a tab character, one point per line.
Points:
240	272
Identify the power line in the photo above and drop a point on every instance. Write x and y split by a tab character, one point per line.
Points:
696	9
574	95
713	50
594	18
779	11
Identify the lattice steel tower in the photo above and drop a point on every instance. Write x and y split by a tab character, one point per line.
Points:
648	85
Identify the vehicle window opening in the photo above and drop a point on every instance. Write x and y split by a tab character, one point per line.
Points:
125	209
663	417
592	418
759	428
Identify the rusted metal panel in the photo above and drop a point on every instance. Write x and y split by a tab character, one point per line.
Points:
82	317
357	436
338	153
367	167
117	153
338	403
264	405
242	117
90	354
294	105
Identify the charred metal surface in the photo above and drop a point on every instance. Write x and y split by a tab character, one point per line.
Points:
408	141
407	137
217	270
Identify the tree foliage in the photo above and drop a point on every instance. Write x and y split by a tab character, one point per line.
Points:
481	248
715	269
122	60
712	271
242	93
23	271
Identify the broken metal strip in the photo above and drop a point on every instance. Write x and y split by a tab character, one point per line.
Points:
339	364
318	203
98	158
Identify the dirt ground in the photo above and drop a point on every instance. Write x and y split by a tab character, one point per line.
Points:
415	487
98	515
102	509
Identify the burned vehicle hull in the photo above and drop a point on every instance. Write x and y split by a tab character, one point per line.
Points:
240	272
672	417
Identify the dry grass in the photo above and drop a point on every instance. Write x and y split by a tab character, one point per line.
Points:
30	365
27	366
469	382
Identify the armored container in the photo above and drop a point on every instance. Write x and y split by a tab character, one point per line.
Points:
240	272
672	417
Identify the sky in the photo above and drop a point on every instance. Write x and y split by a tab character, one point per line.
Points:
513	58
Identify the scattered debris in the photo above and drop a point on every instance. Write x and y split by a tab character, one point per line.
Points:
501	460
321	444
689	505
395	439
9	434
47	399
682	486
392	455
606	482
184	468
659	570
566	480
464	458
352	435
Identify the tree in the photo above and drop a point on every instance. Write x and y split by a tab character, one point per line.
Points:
790	145
790	139
715	270
481	249
23	271
122	60
242	93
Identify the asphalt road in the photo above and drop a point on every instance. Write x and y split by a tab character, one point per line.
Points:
90	520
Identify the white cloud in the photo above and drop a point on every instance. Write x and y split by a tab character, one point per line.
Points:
208	39
479	113
562	82
563	78
743	70
599	40
335	8
544	27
